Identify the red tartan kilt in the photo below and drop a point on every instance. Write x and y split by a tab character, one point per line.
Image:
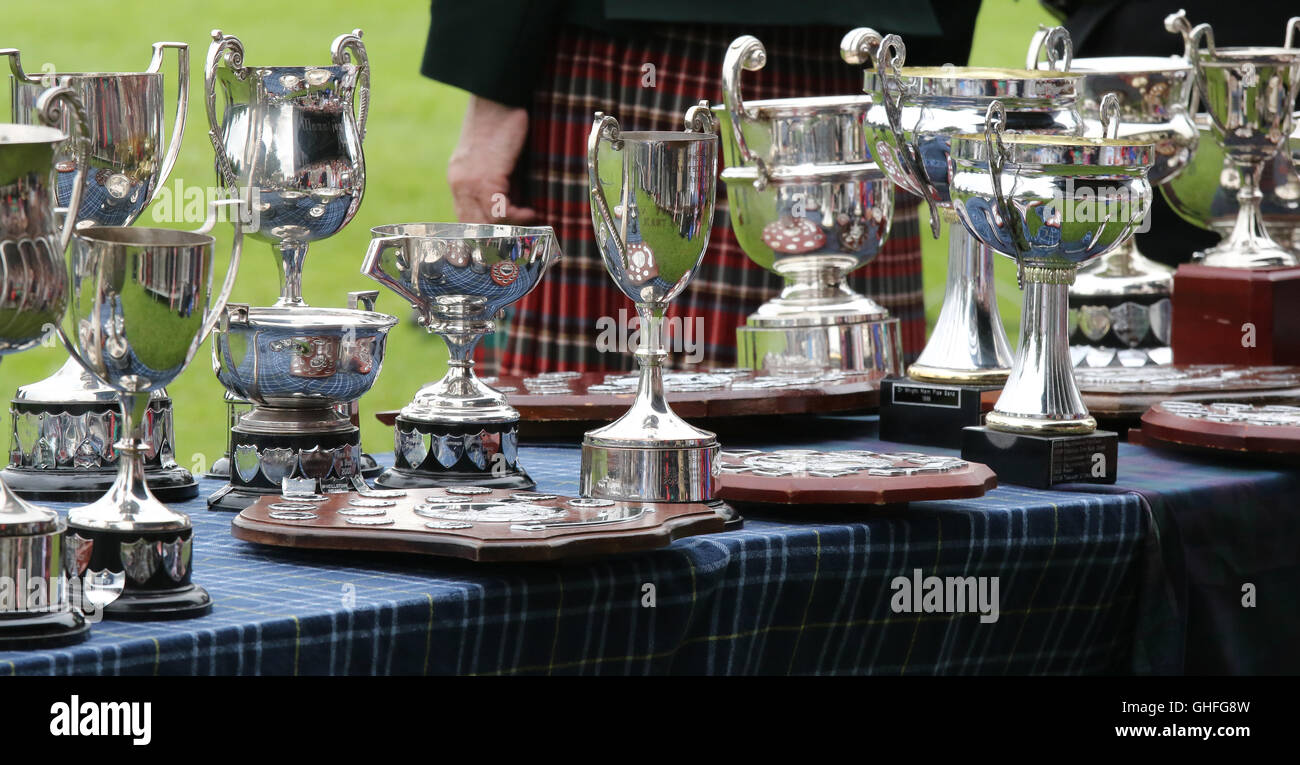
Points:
555	327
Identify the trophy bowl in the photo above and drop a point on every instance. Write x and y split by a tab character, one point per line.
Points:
289	139
297	366
459	277
915	113
1052	203
290	359
61	447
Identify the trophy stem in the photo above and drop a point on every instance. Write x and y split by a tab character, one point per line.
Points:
292	257
968	345
1041	396
1249	244
650	355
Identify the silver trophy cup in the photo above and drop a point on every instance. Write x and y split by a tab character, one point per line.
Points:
289	140
1121	310
1052	203
807	204
58	448
652	196
1250	95
141	307
33	297
915	113
459	278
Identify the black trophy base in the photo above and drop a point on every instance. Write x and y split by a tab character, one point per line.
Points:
157	567
1041	462
36	631
174	484
732	519
414	478
929	414
220	470
185	602
331	458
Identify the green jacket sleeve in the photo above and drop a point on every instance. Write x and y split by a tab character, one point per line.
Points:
491	48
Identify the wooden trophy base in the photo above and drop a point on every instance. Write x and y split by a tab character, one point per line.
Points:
473	523
1041	462
848	478
1236	315
1264	434
931	414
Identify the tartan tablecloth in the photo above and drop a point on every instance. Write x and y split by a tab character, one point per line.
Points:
1089	582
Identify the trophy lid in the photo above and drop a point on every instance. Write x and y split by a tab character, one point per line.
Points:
19	519
980	82
1022	149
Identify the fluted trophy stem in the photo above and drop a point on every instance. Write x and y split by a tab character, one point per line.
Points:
650	354
129	492
1040	395
969	344
292	257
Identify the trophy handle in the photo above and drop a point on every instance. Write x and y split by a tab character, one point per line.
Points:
373	266
349	48
182	103
995	120
229	48
49	109
605	127
217	310
1056	43
860	46
1109	112
700	119
1292	25
745	52
889	64
1178	24
16	65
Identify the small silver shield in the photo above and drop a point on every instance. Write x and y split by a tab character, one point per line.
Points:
140	559
1130	322
176	557
1094	321
246	462
278	463
450	449
410	444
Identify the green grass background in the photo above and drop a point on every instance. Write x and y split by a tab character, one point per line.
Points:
413	127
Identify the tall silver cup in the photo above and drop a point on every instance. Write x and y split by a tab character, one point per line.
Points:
652	196
141	307
60	449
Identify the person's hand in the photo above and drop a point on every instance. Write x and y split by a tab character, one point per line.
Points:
491	139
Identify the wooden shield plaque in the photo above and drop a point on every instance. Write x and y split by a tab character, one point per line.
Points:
852	477
473	523
1270	433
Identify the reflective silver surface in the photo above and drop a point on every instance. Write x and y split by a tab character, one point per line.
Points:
128	159
652	197
915	112
1250	94
1051	203
33	279
459	277
1153	94
288	138
141	306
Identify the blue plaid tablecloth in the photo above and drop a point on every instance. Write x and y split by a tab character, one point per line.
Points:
1090	581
